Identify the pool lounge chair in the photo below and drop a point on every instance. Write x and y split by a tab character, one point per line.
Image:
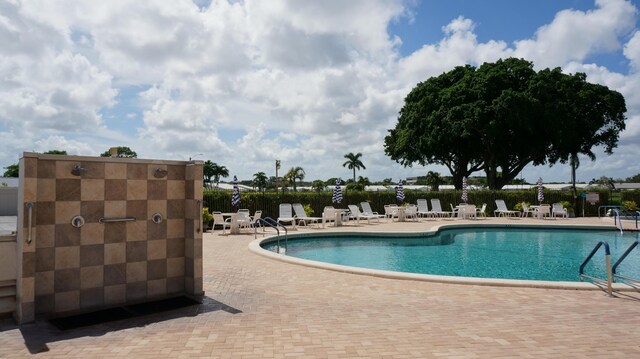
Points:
357	215
502	210
301	215
286	215
436	209
423	208
367	211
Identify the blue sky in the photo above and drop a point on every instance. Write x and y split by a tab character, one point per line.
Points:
247	82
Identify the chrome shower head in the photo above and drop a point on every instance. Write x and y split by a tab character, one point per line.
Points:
77	170
160	173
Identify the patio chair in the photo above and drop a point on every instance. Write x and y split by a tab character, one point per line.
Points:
286	215
301	215
328	215
543	210
557	210
436	209
482	211
469	211
526	210
218	220
411	212
390	211
423	208
502	210
367	211
357	215
256	216
244	220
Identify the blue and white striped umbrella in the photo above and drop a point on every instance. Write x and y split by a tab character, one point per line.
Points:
337	192
465	190
235	197
540	193
400	192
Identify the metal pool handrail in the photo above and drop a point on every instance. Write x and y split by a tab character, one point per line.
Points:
607	254
626	253
273	224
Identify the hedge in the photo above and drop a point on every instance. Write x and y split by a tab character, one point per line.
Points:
217	200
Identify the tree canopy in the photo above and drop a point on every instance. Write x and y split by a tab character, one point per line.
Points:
502	116
123	152
212	169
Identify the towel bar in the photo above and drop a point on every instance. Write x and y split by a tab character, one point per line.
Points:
121	219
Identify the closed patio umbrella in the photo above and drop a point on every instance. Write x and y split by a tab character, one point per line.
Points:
235	197
540	193
465	189
400	191
337	192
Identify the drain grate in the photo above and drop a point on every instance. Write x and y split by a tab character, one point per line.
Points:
120	313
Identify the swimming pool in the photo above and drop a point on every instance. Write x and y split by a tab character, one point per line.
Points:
545	254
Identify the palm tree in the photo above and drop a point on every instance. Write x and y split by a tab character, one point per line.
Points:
434	180
293	174
260	180
218	171
353	162
318	185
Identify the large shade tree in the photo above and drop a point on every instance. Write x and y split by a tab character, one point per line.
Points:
503	116
122	152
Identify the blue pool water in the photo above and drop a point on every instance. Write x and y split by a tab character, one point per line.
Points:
511	253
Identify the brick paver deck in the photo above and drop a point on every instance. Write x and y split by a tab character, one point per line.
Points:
257	307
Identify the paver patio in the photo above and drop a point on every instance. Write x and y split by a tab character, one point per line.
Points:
257	307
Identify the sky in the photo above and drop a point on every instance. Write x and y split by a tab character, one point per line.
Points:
243	83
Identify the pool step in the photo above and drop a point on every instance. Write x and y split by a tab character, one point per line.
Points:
7	297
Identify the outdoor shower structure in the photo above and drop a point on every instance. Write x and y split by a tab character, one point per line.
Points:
96	232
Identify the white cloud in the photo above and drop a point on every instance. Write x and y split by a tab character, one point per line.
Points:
248	82
573	34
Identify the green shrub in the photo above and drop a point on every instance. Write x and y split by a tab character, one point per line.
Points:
206	216
518	206
630	205
308	210
567	205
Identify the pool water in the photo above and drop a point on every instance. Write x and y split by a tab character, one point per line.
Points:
510	253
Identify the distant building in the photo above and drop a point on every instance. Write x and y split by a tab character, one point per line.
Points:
10	181
627	186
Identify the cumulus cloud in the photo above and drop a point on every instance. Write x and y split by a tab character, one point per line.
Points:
248	82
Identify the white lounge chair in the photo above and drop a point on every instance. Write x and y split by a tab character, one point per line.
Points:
286	215
557	210
367	211
502	209
436	209
357	215
423	208
301	215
